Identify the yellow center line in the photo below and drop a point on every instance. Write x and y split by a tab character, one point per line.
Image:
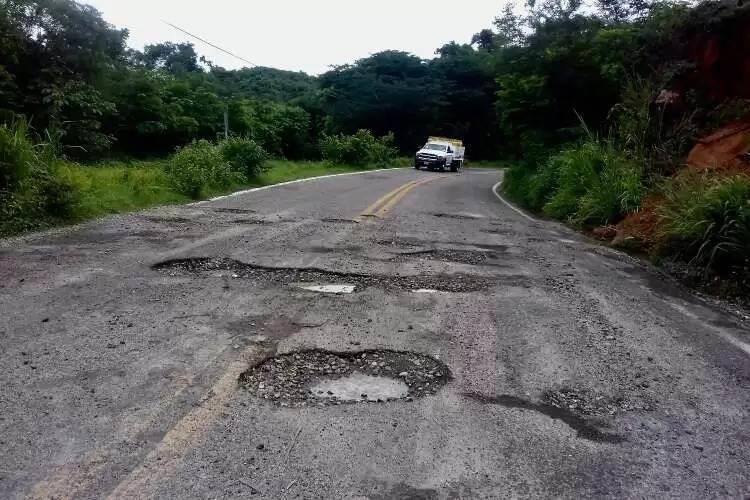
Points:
388	201
400	195
370	211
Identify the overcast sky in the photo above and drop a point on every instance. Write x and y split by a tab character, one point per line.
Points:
302	35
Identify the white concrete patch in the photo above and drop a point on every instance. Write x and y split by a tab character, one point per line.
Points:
511	206
359	387
425	290
337	289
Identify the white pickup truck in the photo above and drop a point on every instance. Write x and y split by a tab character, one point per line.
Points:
441	153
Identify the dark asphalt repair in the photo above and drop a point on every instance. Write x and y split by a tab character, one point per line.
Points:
289	379
584	428
456	283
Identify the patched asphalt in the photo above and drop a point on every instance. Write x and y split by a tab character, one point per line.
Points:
184	352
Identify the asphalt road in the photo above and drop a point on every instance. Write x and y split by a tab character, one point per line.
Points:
574	371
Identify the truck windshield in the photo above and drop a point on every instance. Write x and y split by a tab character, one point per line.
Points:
436	147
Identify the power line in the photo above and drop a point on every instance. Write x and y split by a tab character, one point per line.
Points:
209	43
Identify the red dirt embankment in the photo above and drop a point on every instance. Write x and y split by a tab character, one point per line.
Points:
717	49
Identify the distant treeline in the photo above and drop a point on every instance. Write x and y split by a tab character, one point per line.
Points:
525	83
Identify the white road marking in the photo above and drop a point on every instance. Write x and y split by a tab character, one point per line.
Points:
739	344
511	206
298	181
425	290
337	289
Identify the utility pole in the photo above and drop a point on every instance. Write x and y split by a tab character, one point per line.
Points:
226	122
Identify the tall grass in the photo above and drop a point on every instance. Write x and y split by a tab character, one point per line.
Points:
591	183
115	187
32	193
706	222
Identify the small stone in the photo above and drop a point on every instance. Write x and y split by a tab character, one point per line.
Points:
403	374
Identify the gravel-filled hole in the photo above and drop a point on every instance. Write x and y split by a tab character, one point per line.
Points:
472	257
321	378
456	283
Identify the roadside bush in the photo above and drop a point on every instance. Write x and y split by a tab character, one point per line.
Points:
244	156
16	154
362	148
199	166
596	184
33	194
706	222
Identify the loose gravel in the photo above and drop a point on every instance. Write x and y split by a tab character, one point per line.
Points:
289	380
472	257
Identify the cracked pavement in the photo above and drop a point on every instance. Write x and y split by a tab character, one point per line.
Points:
575	371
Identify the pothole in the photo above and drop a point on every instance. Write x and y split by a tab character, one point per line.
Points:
258	222
459	216
168	220
233	210
456	283
339	221
472	257
321	378
399	243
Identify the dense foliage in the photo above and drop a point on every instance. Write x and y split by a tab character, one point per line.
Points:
594	104
361	148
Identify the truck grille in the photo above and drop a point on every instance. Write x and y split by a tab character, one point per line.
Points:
427	156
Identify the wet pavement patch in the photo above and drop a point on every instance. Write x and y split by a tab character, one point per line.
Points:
225	267
321	378
584	429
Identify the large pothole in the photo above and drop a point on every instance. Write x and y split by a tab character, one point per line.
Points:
456	283
472	257
320	378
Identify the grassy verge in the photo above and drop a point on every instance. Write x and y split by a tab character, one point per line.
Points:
117	187
696	226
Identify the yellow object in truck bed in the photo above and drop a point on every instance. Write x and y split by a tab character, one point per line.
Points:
456	142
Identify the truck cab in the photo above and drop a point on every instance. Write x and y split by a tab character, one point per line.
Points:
441	154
